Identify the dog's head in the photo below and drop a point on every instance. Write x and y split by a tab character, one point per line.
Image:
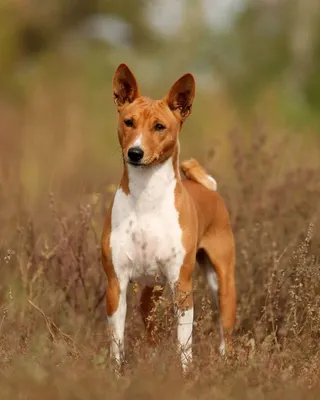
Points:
148	129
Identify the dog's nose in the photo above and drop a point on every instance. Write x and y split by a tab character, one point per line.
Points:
135	154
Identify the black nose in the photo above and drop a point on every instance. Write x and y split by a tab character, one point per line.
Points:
135	154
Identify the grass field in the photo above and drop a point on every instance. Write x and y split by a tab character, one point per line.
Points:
59	167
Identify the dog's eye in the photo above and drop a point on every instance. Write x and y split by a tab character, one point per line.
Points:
159	127
128	122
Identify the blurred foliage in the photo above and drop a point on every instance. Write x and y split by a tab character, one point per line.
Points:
29	27
57	118
270	43
273	44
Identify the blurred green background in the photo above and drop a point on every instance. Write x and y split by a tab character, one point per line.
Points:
255	63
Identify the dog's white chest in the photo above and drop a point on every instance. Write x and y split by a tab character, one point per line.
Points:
146	237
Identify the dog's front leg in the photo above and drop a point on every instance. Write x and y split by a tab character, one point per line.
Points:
183	304
116	296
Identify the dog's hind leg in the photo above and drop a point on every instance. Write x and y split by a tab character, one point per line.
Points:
218	258
212	280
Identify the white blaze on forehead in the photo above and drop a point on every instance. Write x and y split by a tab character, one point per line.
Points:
137	142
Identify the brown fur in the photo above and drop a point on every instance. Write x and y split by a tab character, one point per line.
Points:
148	301
203	216
113	288
194	171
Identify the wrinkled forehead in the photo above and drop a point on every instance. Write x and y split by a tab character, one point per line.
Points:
146	109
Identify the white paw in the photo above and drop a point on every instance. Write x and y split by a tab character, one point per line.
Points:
222	349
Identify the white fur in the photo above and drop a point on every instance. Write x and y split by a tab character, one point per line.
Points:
215	186
146	237
116	322
138	141
185	325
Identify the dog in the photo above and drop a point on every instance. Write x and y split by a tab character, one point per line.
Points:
159	223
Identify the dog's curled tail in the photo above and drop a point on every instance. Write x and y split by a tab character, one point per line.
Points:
195	172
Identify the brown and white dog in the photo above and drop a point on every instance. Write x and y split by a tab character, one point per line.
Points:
158	225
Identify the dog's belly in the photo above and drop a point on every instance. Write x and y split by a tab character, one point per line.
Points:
146	245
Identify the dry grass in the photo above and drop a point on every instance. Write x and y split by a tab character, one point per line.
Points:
53	333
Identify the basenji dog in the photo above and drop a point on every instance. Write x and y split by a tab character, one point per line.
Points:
159	224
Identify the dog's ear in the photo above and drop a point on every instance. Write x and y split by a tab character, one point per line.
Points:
125	87
181	96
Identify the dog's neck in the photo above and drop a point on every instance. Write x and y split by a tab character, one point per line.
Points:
151	183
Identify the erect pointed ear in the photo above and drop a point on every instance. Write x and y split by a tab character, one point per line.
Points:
181	96
125	87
